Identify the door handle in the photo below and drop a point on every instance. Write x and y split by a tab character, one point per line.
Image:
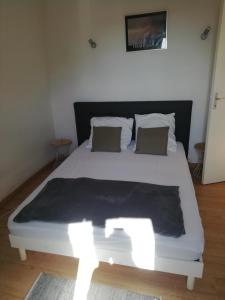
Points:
217	98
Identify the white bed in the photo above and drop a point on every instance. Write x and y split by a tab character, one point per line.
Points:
174	255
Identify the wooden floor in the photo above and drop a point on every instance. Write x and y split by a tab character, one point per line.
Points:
16	277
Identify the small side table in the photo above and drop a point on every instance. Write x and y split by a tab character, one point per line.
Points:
197	171
61	147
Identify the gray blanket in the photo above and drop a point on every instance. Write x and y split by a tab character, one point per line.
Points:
75	200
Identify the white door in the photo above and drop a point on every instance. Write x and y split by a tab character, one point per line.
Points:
214	159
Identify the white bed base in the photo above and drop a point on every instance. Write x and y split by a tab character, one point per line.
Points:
191	269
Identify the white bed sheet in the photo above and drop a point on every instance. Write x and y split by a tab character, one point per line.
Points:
170	170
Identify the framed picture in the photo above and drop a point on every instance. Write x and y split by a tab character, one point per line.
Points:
146	31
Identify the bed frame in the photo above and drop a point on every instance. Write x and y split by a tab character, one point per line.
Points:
84	111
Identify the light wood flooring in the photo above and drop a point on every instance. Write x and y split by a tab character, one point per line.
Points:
16	277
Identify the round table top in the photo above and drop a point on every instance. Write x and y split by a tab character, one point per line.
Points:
61	142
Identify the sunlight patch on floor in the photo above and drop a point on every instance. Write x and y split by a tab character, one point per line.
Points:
82	240
140	233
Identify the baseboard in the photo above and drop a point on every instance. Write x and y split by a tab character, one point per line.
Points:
21	186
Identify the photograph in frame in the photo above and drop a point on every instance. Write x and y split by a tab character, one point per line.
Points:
146	31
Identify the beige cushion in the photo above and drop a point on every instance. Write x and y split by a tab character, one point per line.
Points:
106	139
152	141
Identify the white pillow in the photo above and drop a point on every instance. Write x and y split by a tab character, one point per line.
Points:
159	120
126	124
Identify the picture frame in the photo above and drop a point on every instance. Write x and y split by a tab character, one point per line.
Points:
146	31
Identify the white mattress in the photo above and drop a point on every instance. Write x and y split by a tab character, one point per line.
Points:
170	170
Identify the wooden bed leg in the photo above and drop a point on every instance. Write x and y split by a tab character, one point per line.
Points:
23	255
190	283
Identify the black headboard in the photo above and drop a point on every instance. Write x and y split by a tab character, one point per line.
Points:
84	111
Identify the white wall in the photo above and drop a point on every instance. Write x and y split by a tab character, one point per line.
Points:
26	125
109	73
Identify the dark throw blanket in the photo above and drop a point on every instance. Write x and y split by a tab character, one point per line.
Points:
75	200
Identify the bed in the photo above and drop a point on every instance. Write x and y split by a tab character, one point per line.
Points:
181	255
